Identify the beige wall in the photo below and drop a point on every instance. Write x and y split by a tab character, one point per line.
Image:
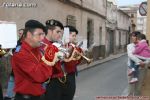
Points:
123	20
123	23
95	5
47	9
148	21
131	10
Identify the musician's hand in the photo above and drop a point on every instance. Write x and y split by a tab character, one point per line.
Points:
77	56
68	59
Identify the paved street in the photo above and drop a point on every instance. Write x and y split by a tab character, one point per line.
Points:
107	79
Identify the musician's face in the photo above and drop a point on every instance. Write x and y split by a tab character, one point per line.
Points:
20	33
37	36
73	37
56	34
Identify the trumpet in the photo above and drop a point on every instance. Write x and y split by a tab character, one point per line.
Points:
81	54
2	52
86	58
63	52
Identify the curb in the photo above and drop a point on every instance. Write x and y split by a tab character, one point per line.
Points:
111	57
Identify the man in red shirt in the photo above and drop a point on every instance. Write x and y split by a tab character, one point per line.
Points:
54	33
29	70
71	67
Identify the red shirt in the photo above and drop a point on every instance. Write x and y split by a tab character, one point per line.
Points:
70	67
57	71
29	71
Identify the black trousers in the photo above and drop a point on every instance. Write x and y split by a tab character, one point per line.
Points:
1	93
56	90
69	91
27	97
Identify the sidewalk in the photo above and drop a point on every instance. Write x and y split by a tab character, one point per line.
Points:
146	85
94	63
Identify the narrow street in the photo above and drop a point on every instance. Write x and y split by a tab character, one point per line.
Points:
107	79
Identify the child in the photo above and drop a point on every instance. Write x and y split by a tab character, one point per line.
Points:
142	51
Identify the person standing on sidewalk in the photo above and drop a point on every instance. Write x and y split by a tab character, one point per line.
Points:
142	51
135	88
29	69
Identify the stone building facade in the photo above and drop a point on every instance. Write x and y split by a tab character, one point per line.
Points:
88	16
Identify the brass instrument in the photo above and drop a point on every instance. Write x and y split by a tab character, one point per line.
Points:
63	52
86	58
58	56
2	52
80	54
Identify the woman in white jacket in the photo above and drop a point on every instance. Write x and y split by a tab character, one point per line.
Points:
134	89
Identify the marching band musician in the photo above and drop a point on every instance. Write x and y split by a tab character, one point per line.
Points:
54	32
29	70
71	66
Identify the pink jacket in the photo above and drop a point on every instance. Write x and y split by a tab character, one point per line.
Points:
142	49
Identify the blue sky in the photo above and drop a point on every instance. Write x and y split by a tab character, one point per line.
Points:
129	2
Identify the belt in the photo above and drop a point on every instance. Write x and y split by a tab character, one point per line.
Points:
72	73
27	96
63	79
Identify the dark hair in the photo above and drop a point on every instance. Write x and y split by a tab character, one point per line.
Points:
141	36
22	33
135	33
34	24
27	30
31	25
72	29
51	24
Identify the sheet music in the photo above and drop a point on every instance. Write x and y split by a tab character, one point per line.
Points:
8	35
65	38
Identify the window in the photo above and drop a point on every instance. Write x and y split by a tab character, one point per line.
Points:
100	35
132	15
71	20
90	34
119	40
